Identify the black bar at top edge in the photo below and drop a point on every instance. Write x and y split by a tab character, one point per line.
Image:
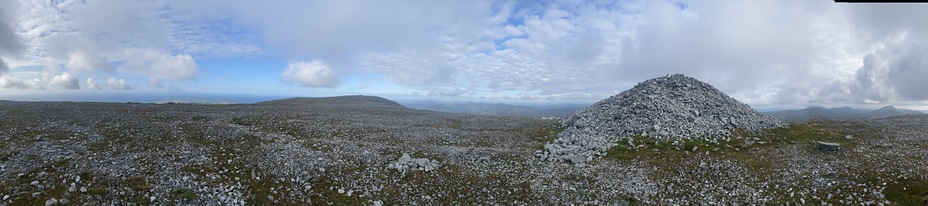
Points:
875	1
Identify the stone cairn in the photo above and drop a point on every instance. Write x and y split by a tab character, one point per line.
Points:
407	163
668	108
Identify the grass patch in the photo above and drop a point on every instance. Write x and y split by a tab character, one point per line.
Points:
6	156
197	169
907	191
638	146
739	147
61	162
325	195
183	194
243	121
138	183
97	146
545	134
814	130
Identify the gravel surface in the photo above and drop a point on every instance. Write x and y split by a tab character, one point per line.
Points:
339	151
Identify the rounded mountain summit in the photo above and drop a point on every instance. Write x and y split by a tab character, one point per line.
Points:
665	108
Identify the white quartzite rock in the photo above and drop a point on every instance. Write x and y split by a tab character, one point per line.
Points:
406	163
51	202
667	108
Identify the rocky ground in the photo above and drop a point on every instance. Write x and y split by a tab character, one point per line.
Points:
350	151
668	108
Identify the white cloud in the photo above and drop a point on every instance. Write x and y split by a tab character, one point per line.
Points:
448	92
9	82
154	82
134	23
89	36
77	53
92	84
561	48
119	84
3	67
160	65
65	80
111	83
10	42
894	73
769	52
314	73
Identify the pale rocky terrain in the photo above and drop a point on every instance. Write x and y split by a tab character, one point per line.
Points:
669	108
346	150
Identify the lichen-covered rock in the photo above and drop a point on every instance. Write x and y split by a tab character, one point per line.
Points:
666	108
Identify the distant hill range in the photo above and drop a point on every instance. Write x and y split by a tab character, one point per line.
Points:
354	100
840	113
561	110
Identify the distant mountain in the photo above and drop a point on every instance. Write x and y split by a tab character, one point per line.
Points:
890	111
354	100
839	113
561	110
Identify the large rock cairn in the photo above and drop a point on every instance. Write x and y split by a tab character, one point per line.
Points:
666	108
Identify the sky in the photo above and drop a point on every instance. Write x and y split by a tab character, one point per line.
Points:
763	53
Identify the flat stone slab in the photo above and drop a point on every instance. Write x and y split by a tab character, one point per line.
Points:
827	146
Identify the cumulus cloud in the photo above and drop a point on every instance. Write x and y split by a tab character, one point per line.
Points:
119	84
10	43
9	82
761	52
159	65
894	73
77	53
65	80
314	73
92	84
111	83
341	32
3	67
907	74
90	36
737	46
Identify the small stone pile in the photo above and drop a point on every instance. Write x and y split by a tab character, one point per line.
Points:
666	108
407	163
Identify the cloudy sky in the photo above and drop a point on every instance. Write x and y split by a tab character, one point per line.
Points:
791	52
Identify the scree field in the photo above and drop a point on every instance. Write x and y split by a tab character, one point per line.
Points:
338	151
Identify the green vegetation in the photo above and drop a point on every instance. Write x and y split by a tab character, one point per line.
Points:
243	121
183	194
545	134
98	146
907	191
738	147
325	195
137	183
275	154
